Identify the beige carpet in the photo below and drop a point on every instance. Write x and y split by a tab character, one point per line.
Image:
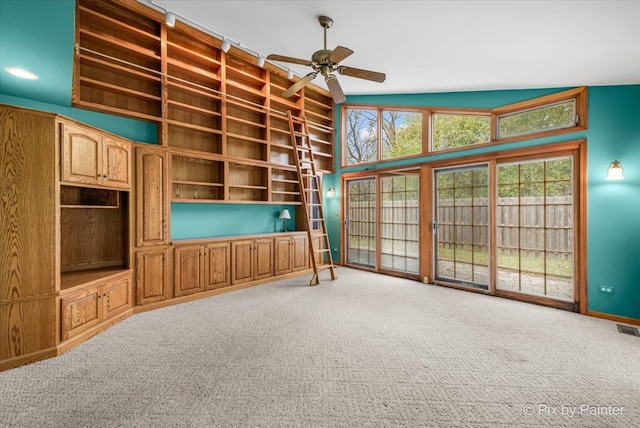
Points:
363	351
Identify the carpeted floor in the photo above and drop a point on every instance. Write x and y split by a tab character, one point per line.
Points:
363	351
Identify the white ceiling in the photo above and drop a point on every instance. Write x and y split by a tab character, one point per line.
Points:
440	46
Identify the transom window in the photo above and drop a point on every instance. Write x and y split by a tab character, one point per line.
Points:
374	134
538	119
377	134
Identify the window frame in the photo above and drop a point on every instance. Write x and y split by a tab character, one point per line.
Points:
579	94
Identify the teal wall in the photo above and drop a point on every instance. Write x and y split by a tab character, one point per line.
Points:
196	220
38	35
613	208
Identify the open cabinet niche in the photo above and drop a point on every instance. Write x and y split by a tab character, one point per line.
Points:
93	229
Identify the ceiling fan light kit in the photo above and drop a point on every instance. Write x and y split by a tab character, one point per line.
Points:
326	62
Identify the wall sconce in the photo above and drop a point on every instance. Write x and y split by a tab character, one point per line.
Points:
170	19
284	215
331	193
615	171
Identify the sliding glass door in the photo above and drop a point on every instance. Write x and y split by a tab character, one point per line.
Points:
535	228
360	222
461	227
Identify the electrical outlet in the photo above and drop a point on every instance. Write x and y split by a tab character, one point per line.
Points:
606	289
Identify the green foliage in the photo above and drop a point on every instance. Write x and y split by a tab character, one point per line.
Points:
536	179
459	130
540	119
361	135
401	134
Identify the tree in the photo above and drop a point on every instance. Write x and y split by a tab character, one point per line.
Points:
361	135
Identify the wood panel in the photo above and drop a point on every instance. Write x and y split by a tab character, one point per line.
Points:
218	266
116	163
106	229
283	257
263	258
79	312
188	269
241	266
27	327
152	275
81	155
28	234
151	188
116	297
300	253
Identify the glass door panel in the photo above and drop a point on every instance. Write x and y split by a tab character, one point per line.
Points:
360	223
462	226
535	228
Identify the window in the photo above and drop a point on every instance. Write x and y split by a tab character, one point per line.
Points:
361	136
451	131
401	134
545	118
375	134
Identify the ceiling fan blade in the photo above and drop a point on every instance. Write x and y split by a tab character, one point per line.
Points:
335	89
289	59
362	74
338	54
299	84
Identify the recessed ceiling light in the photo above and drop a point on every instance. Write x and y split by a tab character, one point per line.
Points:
21	73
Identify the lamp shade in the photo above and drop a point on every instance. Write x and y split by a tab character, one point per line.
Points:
331	192
615	171
284	214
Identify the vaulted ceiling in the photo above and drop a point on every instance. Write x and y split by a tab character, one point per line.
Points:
437	46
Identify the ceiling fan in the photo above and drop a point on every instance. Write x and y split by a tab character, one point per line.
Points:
326	62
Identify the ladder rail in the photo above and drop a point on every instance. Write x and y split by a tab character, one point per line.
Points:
310	192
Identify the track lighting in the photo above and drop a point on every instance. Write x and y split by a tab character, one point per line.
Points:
261	60
225	46
170	19
290	74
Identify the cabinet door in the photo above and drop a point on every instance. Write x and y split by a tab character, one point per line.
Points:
300	256
79	312
241	261
152	276
218	269
116	297
151	197
263	258
81	155
283	263
116	163
189	269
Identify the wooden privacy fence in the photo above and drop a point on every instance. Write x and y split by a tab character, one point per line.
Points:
530	223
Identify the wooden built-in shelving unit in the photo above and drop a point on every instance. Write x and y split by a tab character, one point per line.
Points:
222	117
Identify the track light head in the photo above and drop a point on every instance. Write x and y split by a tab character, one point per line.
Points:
225	46
261	60
170	19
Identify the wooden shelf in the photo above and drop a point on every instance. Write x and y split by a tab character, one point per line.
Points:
219	113
72	280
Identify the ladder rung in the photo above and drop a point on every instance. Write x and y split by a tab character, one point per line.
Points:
303	148
309	175
323	267
326	250
314	205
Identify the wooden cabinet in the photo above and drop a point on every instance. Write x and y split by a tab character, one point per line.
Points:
152	275
82	310
291	253
152	207
201	267
188	269
89	158
218	269
65	226
251	259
